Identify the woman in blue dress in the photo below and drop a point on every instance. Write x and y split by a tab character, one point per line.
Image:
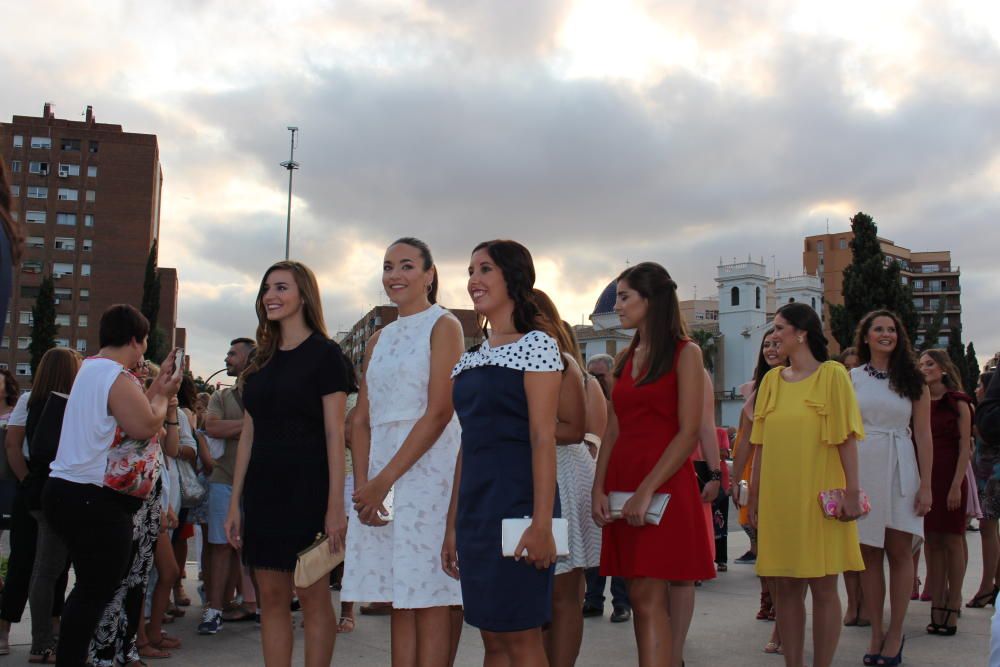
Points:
506	393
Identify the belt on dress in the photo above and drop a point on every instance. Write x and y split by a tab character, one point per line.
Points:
905	462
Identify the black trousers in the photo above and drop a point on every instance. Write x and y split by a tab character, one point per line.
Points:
96	525
720	518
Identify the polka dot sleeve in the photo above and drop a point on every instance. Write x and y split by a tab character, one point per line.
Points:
535	352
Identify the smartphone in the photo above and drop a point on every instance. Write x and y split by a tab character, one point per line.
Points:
179	362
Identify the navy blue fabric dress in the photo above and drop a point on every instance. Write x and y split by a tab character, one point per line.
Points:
499	594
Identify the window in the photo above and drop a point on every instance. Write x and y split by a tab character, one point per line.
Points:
758	298
41	142
93	146
29	291
85	269
38	168
942	341
35	242
15	191
791	299
91	172
842	244
930	268
68	219
25	317
23	342
32	265
918	303
82	321
68	194
18	141
734	296
934	304
38	192
15	166
65	243
5	343
63	293
60	269
904	280
70	145
81	345
88	220
23	370
813	299
944	320
820	246
85	295
62	320
62	342
69	169
88	244
91	195
35	217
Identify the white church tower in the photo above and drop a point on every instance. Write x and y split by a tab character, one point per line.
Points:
742	322
802	289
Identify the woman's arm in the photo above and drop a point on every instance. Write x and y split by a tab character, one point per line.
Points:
925	450
690	379
754	492
446	347
708	442
361	427
597	413
572	411
234	520
204	454
744	451
964	438
449	549
334	407
851	507
171	442
598	498
188	450
542	393
15	456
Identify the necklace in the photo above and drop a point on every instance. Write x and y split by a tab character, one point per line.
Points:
876	373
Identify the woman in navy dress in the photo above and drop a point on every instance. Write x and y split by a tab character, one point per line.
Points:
506	394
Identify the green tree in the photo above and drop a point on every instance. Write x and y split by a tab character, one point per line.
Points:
870	282
706	340
972	366
151	307
933	330
43	315
956	352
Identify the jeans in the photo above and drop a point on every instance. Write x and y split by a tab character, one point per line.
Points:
48	584
595	590
96	526
23	535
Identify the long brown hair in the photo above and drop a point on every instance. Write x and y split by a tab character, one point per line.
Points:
56	372
905	377
560	330
11	227
518	270
663	320
268	332
11	389
950	377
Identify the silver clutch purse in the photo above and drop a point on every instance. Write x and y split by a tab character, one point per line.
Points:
654	513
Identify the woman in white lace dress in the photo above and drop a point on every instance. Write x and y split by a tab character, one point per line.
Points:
405	446
896	476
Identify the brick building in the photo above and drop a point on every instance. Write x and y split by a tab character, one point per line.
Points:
935	281
87	195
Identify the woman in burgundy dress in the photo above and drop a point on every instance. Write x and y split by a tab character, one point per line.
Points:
652	432
944	525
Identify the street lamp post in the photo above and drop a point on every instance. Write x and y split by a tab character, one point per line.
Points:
291	165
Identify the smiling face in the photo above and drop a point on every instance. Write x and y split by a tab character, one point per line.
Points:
630	306
931	370
403	276
772	355
280	295
882	335
786	337
487	286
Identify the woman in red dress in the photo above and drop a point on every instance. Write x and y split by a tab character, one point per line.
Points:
652	431
944	525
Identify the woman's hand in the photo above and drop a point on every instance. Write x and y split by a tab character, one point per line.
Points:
368	501
635	508
540	544
336	529
954	497
922	504
449	553
850	506
734	492
233	527
599	508
711	491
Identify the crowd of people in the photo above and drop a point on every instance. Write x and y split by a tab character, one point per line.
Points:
497	486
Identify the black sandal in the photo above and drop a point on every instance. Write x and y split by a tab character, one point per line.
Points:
942	629
984	600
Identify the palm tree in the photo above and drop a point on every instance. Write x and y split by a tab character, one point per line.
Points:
706	340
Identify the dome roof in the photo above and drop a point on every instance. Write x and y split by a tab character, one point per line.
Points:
606	302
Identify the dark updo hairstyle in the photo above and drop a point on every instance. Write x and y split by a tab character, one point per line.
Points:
664	323
10	388
905	377
425	254
518	269
804	318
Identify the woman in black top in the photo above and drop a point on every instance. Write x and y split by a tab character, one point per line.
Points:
290	462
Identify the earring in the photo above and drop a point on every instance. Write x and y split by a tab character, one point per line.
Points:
801	340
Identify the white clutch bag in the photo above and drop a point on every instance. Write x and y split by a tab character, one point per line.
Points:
513	529
654	513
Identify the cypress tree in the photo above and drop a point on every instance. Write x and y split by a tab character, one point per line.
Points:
972	365
151	306
956	352
43	329
933	330
871	282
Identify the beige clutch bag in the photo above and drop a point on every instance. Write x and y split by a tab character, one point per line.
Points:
315	562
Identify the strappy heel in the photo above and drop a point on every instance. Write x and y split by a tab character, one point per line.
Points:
942	629
983	600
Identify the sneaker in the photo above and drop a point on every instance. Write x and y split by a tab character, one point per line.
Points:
211	622
591	610
621	615
749	558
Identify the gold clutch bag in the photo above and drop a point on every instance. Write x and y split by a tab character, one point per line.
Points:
315	562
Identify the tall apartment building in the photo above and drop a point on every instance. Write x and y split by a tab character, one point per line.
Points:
931	275
87	195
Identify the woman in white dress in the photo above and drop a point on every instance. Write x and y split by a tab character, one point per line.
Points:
406	440
897	477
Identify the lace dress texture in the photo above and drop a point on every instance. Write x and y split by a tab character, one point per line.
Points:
401	562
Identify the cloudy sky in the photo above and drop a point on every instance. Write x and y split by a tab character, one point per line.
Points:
596	132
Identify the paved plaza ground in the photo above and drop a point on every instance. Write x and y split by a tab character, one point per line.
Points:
724	632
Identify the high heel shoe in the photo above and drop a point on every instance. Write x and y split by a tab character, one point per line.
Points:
942	628
886	661
984	600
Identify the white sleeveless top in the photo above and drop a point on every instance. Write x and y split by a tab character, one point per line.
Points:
400	368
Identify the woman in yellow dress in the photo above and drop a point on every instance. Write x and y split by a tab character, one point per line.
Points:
806	422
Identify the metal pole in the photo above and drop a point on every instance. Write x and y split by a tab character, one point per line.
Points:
291	166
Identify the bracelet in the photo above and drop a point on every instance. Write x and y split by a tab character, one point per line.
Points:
715	476
166	423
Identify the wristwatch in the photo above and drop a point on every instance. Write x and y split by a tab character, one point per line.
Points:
715	476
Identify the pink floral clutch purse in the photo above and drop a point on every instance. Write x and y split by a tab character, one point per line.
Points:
830	500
